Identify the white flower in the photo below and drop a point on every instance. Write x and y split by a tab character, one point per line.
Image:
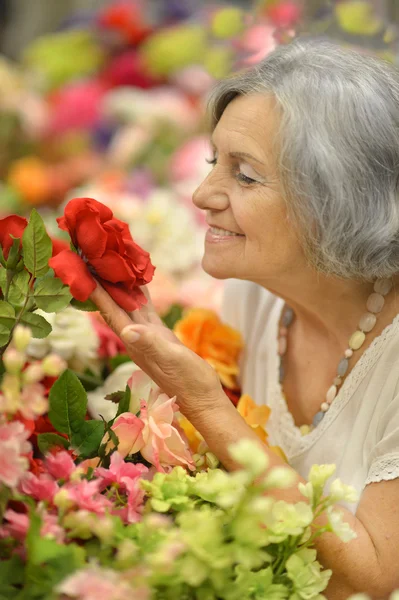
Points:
319	474
280	477
96	403
340	527
250	456
167	229
340	492
306	490
73	338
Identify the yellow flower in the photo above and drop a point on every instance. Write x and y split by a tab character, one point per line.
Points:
203	332
256	417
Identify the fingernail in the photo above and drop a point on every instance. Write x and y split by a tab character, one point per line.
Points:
129	335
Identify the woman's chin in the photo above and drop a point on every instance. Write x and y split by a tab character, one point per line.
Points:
217	269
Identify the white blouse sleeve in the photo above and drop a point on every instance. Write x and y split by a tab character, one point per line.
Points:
384	458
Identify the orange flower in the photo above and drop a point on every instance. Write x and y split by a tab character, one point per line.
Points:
30	177
194	438
202	331
257	417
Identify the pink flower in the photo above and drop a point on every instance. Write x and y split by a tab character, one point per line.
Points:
86	495
13	447
33	401
60	465
127	428
94	583
110	343
163	443
17	525
120	472
132	512
50	528
39	488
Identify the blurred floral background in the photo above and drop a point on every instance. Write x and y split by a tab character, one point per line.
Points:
107	99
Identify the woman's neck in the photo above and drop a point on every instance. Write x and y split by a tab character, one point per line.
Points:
330	308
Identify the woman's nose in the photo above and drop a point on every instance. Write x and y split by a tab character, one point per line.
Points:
211	194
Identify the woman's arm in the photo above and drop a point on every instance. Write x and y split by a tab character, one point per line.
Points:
368	563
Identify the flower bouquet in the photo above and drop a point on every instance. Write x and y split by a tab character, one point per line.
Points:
132	504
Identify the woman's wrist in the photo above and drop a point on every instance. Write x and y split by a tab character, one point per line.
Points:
212	405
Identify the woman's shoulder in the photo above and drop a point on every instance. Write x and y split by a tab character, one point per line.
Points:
246	303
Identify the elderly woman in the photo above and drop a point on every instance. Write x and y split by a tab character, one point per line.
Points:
303	212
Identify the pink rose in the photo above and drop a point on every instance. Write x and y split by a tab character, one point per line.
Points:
120	472
13	447
163	443
39	488
60	465
86	495
128	429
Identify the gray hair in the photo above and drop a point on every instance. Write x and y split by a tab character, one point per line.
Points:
338	151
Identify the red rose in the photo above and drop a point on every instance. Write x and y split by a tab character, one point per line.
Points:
106	250
12	225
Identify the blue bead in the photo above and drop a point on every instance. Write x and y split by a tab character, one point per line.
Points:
318	418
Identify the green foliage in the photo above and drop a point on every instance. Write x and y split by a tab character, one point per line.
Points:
46	441
7	321
39	326
68	402
19	286
87	306
37	246
174	314
51	294
87	438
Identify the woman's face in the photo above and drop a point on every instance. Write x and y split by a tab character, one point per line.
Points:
249	236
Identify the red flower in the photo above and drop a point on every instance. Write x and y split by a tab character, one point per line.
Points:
105	249
11	226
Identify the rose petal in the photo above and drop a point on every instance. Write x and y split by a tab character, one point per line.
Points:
76	205
90	235
11	226
72	271
127	299
112	267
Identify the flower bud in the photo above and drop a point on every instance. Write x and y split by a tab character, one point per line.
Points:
53	365
62	500
199	460
12	395
13	360
21	337
211	460
33	373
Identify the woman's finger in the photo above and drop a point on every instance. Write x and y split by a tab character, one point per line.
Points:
146	312
112	313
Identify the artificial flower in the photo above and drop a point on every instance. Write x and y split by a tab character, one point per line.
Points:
86	495
106	248
60	465
41	487
12	226
94	583
220	345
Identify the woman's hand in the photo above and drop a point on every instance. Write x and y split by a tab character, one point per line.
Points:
156	350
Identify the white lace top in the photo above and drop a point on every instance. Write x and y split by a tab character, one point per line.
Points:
360	432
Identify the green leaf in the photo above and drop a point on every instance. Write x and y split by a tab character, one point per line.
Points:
19	286
175	314
125	402
68	402
7	316
36	245
46	441
87	439
38	324
4	335
2	259
14	253
52	295
87	306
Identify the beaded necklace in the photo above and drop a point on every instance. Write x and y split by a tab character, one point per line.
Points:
374	305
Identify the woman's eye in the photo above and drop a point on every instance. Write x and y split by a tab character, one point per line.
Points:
211	161
245	179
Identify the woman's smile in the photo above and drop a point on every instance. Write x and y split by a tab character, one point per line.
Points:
217	235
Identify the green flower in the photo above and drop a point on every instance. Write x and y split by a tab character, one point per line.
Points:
250	456
219	487
256	585
319	474
287	519
169	490
306	575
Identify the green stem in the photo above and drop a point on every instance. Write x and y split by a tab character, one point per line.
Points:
9	277
18	319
